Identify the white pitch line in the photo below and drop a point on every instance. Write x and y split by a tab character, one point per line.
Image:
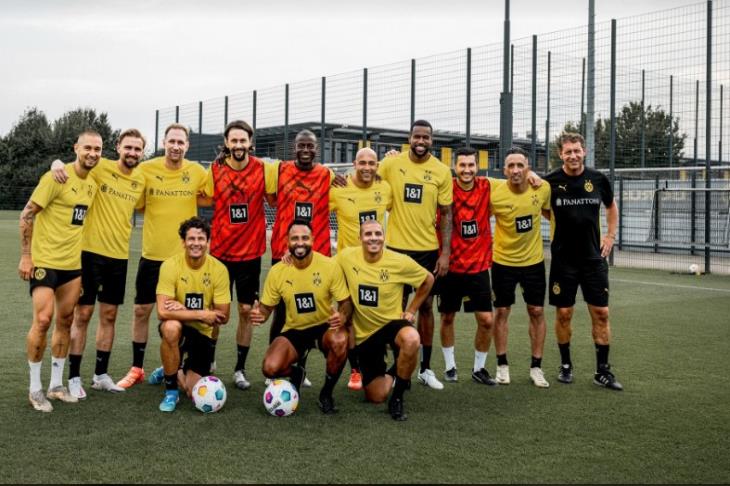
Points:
670	285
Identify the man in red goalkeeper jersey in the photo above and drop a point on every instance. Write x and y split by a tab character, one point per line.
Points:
302	188
236	184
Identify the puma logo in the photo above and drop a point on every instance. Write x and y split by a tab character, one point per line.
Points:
160	178
402	171
350	199
184	279
289	282
564	187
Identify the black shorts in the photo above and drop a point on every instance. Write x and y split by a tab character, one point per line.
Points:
245	275
426	259
197	350
590	274
530	278
48	277
371	352
148	273
104	277
305	339
456	286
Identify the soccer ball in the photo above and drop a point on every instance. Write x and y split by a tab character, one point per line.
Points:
281	398
209	394
694	268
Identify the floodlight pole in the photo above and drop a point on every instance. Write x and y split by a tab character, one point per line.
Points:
505	101
590	86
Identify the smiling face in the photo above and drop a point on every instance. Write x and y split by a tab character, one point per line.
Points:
572	154
300	241
305	149
176	145
466	168
366	165
515	169
238	143
420	141
130	150
372	237
195	243
88	150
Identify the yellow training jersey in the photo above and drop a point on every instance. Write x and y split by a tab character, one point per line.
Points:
418	189
517	236
355	205
376	289
308	293
109	222
198	289
170	199
57	229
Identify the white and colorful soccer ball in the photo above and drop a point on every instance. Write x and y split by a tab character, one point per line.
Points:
281	398
694	268
209	394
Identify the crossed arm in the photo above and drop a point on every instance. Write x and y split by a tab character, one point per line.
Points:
169	309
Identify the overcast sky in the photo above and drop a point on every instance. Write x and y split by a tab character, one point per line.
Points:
128	58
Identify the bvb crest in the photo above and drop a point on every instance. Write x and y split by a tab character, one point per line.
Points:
378	197
384	275
40	273
588	186
185	177
206	279
556	288
316	279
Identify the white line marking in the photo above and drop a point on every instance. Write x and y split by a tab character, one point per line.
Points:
670	285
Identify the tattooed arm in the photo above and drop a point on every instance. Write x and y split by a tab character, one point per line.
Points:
27	218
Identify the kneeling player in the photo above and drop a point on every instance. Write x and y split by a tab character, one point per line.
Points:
193	296
376	277
307	287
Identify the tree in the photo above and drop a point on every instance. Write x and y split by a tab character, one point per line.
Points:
27	151
658	126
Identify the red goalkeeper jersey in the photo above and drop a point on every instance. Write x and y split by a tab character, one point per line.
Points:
302	194
238	229
471	236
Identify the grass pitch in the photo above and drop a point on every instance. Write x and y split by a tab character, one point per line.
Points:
671	336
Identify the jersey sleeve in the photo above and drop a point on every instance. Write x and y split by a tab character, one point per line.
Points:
166	282
333	198
46	190
413	273
209	188
606	191
222	293
446	190
545	190
270	295
338	287
271	176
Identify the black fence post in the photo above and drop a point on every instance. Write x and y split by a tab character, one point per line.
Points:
253	109
612	155
413	91
365	107
157	129
286	121
671	120
468	97
200	130
323	134
620	213
708	139
177	113
693	214
533	107
225	111
547	118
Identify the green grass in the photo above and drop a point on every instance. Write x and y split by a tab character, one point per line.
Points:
671	424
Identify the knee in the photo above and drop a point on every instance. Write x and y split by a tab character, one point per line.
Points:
43	321
535	313
171	331
83	315
108	316
564	315
447	320
270	367
141	312
409	340
600	316
339	342
485	320
375	397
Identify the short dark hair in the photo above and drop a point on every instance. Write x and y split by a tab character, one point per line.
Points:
132	133
465	152
90	132
299	222
241	125
518	151
306	133
421	123
571	137
177	126
194	222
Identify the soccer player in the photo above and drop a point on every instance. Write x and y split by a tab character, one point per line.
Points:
376	277
471	258
518	259
236	183
51	260
421	187
300	190
105	248
308	287
362	199
193	296
172	184
579	253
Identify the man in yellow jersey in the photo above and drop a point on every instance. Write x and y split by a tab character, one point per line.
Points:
421	187
362	199
518	259
193	296
376	277
51	260
104	256
308	286
172	184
